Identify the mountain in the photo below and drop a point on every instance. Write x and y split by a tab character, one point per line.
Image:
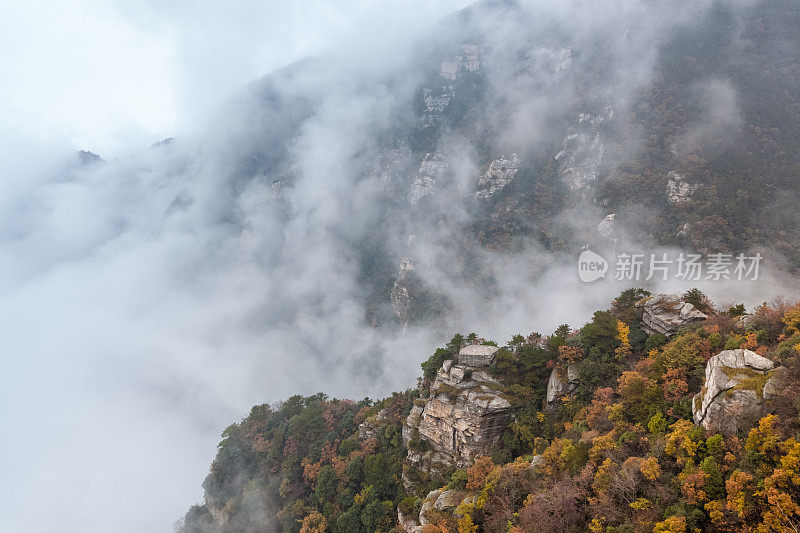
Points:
642	127
613	427
387	198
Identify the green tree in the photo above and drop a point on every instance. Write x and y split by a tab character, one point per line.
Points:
325	489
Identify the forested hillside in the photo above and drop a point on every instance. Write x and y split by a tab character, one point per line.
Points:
619	452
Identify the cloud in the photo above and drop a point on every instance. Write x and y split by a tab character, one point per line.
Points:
113	75
718	117
146	302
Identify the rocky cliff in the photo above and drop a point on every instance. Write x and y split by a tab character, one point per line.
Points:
666	314
463	416
738	389
485	439
562	382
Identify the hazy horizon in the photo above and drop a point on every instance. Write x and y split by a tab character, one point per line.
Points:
147	301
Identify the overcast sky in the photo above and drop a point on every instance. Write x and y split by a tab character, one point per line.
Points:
148	302
106	75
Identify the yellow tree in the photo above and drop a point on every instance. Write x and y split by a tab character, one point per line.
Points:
314	523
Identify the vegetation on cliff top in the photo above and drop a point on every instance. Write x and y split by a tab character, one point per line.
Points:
621	454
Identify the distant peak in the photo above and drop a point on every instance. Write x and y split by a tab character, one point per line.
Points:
88	157
163	142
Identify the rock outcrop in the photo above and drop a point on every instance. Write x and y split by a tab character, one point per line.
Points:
536	462
448	500
431	170
737	391
678	189
606	226
464	415
427	506
435	503
400	295
85	156
436	101
368	429
561	383
581	153
667	314
566	57
477	355
499	174
468	61
391	170
409	524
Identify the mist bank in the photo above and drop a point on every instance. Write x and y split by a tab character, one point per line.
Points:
150	299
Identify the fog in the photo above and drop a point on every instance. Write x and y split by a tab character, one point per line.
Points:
148	300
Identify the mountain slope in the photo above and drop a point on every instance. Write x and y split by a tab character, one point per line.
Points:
616	452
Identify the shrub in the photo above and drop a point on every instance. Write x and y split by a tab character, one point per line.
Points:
656	340
697	298
458	480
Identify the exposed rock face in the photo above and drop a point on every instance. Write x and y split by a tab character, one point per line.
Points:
408	524
390	168
666	314
438	101
606	226
499	174
739	385
368	429
469	61
536	462
421	187
678	189
448	500
476	355
400	295
427	505
566	57
561	383
431	170
401	301
581	154
85	156
462	418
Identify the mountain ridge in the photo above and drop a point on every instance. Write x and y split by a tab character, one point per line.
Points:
320	464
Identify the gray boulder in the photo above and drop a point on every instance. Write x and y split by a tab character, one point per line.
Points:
427	505
738	388
561	383
667	314
448	500
408	524
368	430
